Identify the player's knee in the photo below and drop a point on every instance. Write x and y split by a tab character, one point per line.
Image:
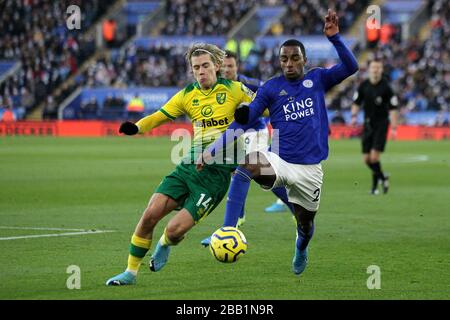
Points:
175	232
306	226
374	159
253	164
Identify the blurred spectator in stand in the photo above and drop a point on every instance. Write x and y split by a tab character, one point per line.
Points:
372	34
386	32
113	108
107	103
232	45
135	108
109	32
50	111
442	119
338	118
89	111
276	29
8	115
27	99
245	47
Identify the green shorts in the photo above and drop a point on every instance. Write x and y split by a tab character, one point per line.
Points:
199	192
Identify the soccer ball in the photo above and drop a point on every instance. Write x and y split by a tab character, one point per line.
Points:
228	244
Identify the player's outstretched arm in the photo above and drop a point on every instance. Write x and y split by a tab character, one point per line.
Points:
348	65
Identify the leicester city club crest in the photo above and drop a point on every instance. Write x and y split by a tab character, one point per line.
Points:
221	97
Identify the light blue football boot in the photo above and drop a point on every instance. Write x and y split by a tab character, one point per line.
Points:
159	257
123	279
205	242
275	208
300	261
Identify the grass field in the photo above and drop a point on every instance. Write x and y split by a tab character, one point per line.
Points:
104	184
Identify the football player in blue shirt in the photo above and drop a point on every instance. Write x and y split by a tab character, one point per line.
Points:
256	140
296	102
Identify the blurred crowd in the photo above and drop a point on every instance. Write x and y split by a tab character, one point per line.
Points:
305	17
203	17
34	33
165	65
153	67
419	72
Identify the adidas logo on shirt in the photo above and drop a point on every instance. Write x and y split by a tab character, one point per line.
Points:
282	93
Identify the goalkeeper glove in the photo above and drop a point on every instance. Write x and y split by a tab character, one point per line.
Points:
128	128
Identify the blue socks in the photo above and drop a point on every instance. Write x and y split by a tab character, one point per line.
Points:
304	238
240	184
281	193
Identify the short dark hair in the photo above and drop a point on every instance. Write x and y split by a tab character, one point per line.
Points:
378	60
294	43
231	54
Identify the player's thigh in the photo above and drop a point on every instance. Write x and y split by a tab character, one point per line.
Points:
158	207
167	197
305	186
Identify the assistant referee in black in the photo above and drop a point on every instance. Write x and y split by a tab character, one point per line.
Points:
379	103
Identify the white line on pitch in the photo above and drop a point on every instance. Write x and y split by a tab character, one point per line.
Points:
56	234
34	228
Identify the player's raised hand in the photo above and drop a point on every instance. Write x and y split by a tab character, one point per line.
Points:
331	23
128	128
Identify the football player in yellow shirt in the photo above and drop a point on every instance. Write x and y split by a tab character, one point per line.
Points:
210	103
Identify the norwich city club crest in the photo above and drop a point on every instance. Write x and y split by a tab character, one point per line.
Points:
221	98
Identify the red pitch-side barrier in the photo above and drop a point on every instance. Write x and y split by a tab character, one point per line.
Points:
104	128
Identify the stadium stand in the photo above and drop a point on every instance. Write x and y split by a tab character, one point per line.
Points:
197	17
419	71
304	17
35	34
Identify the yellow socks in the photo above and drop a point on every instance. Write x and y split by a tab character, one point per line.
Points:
138	249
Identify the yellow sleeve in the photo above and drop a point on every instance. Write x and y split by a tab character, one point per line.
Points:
246	93
248	96
171	110
152	121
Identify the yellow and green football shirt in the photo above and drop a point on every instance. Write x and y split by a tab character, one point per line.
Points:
211	111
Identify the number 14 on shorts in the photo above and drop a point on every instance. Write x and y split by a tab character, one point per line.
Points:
202	202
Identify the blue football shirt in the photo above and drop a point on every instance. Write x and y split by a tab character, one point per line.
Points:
297	109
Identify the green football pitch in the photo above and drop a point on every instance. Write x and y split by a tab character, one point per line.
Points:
58	196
